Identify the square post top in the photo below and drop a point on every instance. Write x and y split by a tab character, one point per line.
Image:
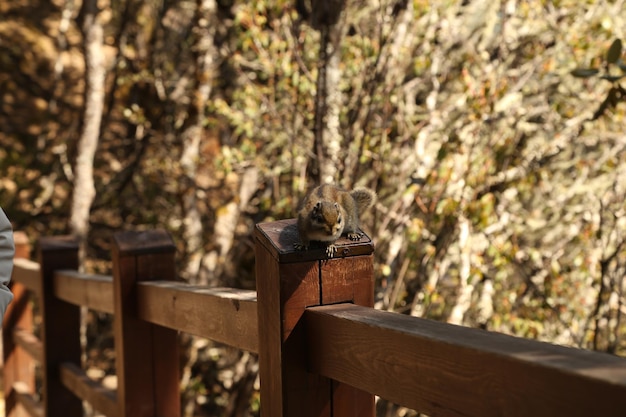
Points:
279	237
136	243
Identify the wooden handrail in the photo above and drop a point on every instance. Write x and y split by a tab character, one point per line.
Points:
18	368
87	290
30	343
196	310
226	315
448	370
77	381
321	346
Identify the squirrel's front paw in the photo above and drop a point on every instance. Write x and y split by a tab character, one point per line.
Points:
330	250
355	236
300	246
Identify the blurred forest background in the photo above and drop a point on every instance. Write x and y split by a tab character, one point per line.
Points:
493	132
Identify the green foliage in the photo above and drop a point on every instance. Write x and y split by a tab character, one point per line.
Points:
463	116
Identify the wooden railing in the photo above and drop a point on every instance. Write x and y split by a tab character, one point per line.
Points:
323	350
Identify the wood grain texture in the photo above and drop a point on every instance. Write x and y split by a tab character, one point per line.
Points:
284	290
166	382
280	236
288	282
60	326
154	254
348	280
225	315
349	401
88	290
305	394
146	354
270	331
77	381
148	242
299	288
133	359
447	370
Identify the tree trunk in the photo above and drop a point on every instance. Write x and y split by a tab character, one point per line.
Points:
84	189
328	18
334	148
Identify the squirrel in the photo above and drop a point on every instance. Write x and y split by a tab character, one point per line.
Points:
329	212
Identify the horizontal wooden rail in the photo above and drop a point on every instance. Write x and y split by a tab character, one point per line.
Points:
225	315
30	343
447	370
313	359
26	400
88	290
27	273
85	388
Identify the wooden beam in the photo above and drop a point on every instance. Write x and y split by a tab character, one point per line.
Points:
18	365
27	273
29	342
85	388
289	281
446	370
60	327
91	291
225	315
24	398
146	355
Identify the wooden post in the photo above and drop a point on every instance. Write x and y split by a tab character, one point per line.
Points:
60	334
289	281
146	354
18	364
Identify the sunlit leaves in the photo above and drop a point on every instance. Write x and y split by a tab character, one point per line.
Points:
458	122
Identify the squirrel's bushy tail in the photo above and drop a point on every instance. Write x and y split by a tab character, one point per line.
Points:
364	198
